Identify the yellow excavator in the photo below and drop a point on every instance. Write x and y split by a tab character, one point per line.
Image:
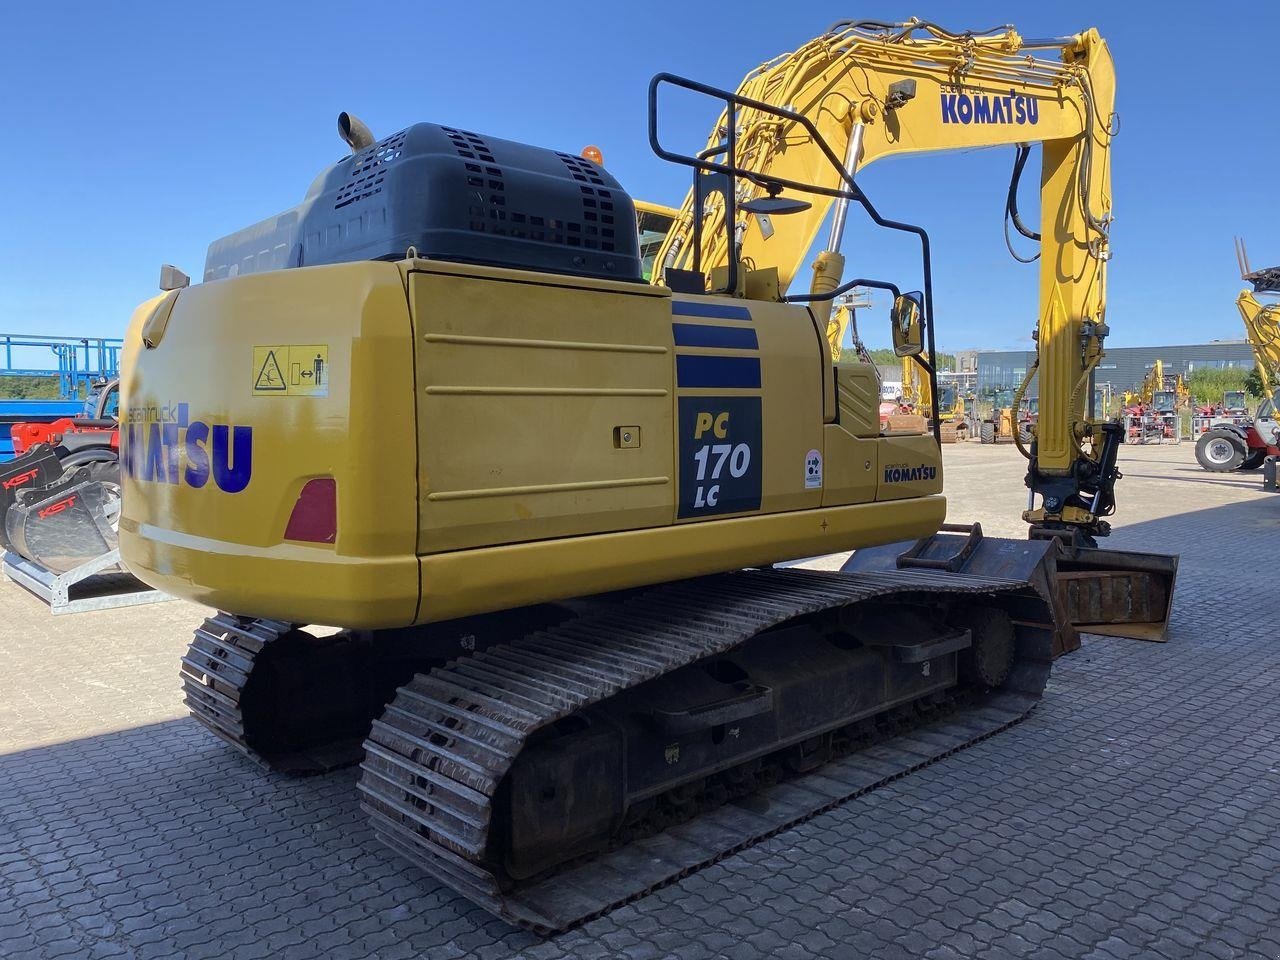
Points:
438	405
917	396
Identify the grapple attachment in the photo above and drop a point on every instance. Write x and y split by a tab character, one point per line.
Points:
65	524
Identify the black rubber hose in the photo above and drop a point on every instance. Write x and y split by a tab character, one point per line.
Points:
1011	203
1011	208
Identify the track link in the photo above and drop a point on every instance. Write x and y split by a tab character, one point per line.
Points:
224	653
437	757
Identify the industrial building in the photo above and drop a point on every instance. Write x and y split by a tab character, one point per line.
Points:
1122	367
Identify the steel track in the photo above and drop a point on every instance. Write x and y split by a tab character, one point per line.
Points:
436	758
215	671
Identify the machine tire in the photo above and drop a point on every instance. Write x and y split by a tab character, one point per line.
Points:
1253	460
104	467
1220	451
987	432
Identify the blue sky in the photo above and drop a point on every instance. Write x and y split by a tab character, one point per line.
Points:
139	132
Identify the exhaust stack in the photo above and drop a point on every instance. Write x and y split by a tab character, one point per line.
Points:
354	133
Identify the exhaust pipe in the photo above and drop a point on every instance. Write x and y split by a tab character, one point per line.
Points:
354	133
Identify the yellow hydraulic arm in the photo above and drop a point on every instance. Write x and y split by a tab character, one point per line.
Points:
1153	381
916	389
871	90
1262	328
1261	320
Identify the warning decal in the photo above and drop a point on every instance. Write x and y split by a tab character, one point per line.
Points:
291	370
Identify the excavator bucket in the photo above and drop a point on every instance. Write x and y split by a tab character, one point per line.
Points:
65	524
36	468
1114	593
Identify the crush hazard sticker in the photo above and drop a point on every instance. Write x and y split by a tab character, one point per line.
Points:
291	370
720	455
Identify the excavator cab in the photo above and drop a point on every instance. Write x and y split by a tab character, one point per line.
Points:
653	222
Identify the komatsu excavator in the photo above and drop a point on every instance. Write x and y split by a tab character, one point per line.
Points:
438	405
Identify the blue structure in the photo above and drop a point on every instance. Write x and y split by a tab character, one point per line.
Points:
76	362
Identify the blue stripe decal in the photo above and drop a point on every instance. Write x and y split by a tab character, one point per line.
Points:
717	371
715	311
703	335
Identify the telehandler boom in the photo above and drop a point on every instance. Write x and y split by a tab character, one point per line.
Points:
439	405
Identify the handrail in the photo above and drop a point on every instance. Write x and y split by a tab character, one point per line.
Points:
774	184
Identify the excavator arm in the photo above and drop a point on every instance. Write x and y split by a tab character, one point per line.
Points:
916	392
872	90
1262	328
1261	320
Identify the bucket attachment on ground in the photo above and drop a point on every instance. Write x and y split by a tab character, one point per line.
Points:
1116	593
65	524
36	468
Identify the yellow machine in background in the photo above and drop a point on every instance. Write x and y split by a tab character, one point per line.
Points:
917	394
1239	442
437	405
1261	320
1153	382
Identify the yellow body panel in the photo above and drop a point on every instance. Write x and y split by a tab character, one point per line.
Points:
228	549
497	437
521	388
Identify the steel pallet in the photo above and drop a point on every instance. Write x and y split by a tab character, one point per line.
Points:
100	584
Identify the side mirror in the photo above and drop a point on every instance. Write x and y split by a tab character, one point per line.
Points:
908	331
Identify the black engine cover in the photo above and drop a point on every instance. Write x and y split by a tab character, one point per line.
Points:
452	195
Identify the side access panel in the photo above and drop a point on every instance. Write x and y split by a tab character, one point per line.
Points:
749	395
544	405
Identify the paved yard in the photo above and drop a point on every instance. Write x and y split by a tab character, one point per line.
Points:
1134	813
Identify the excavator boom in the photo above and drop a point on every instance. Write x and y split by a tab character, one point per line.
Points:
870	91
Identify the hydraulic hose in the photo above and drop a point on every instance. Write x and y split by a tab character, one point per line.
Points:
1011	207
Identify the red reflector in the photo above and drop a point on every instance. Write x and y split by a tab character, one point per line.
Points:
315	515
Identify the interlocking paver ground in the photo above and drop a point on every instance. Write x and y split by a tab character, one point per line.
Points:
1133	814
